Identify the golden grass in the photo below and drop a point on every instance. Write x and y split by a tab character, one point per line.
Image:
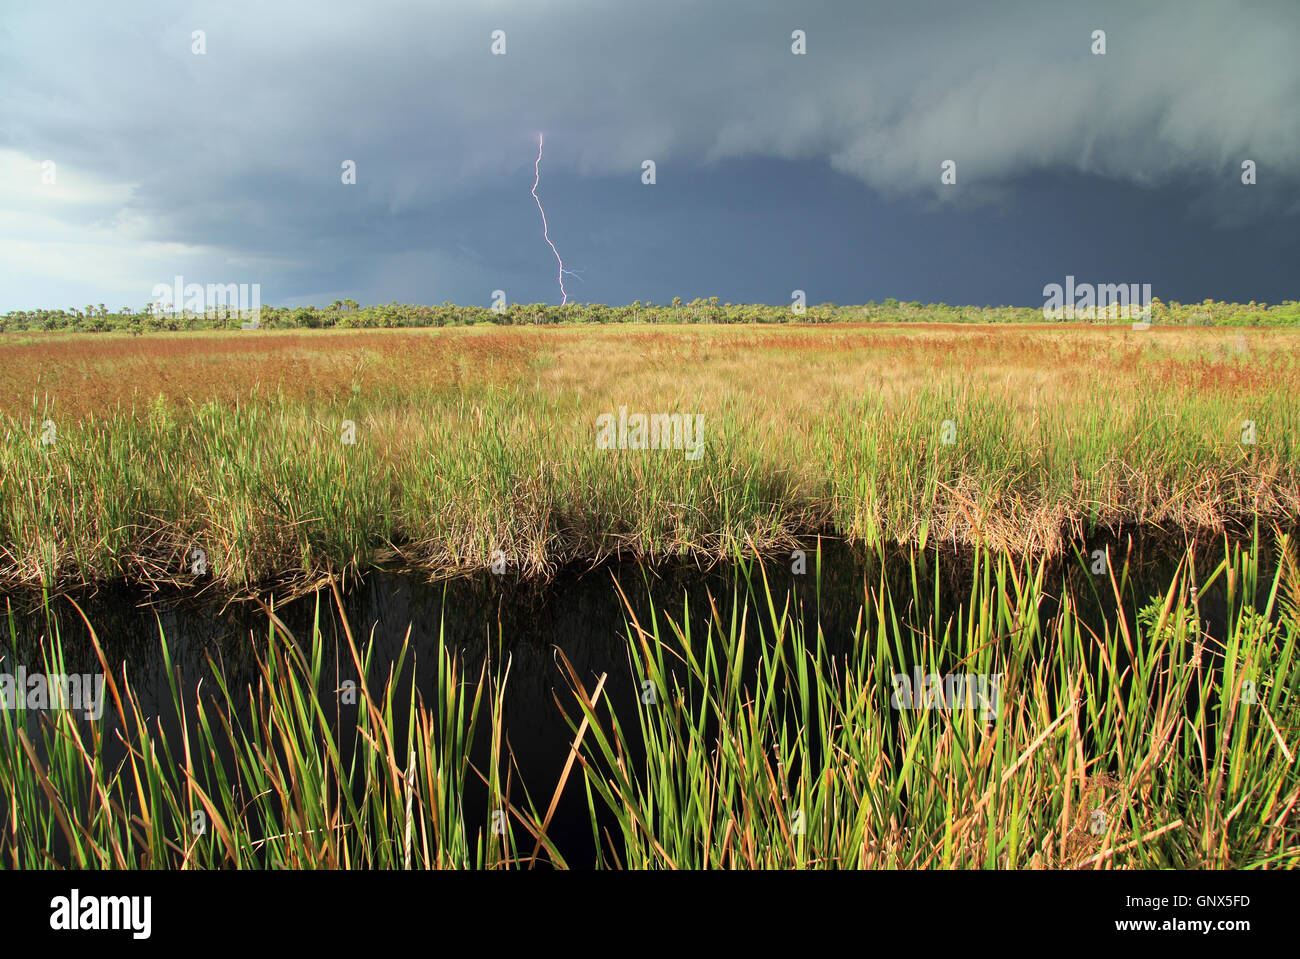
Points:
483	438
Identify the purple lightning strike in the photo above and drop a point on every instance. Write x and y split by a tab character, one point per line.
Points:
537	170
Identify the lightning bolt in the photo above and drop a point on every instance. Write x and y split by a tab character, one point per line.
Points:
537	170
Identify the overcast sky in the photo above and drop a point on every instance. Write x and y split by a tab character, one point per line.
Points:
775	171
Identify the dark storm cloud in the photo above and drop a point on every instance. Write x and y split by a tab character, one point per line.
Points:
230	161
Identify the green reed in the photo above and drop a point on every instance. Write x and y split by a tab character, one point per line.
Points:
755	742
1146	744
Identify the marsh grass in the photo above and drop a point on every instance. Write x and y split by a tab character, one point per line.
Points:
757	742
277	775
470	442
804	763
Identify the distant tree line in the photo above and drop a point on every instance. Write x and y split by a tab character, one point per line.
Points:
348	314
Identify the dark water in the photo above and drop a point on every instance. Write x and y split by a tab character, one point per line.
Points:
580	612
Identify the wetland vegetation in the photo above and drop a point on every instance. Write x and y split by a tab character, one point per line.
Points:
900	611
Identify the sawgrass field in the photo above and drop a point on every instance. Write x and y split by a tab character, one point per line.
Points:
1161	735
274	454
